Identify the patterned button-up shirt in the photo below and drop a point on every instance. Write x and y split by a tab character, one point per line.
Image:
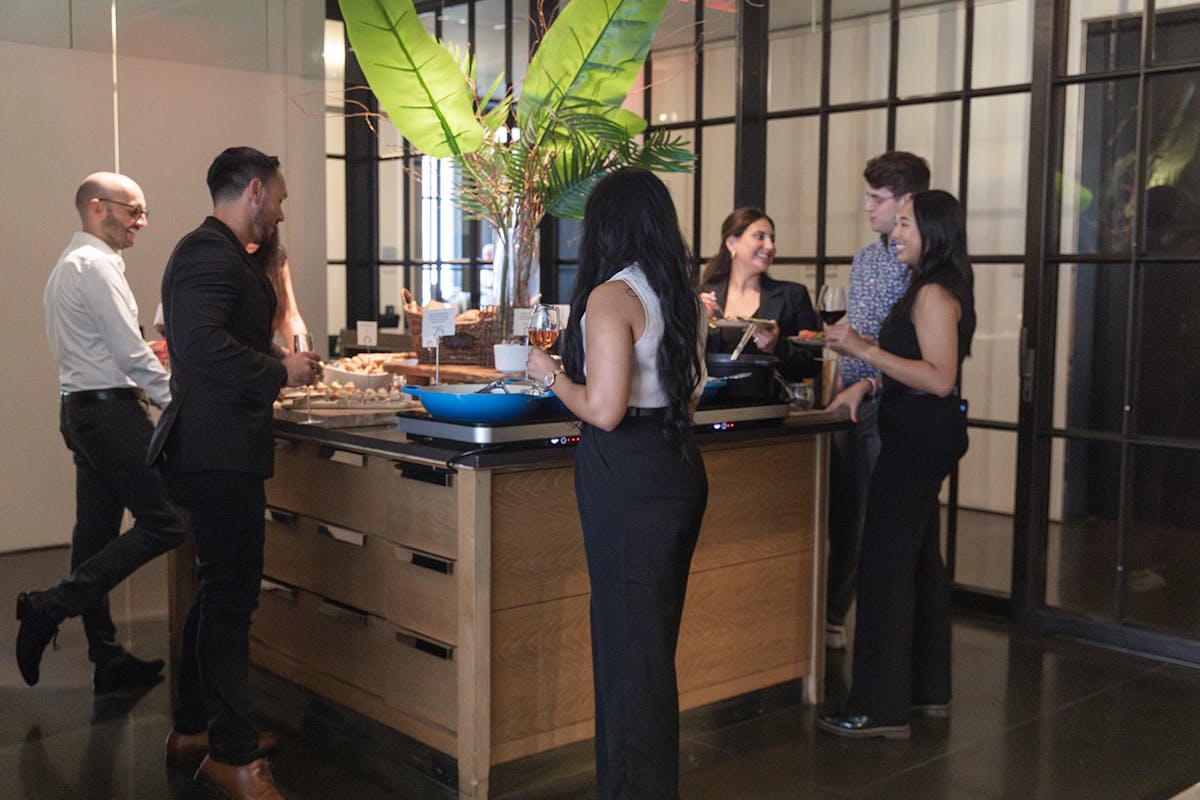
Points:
877	280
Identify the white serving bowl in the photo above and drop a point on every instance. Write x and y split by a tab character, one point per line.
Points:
366	381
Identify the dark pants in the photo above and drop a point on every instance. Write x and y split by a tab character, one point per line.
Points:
641	504
902	632
108	439
225	510
853	463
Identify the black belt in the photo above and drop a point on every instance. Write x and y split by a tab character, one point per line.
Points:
100	395
645	412
897	392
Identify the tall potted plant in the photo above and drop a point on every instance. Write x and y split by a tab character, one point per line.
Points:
528	155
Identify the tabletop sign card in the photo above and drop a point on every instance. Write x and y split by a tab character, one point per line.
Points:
521	320
437	322
366	334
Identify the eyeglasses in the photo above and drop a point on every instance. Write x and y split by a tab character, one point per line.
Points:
138	211
872	199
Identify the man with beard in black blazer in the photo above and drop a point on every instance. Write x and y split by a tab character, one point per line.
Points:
217	447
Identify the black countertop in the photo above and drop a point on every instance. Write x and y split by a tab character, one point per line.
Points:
378	434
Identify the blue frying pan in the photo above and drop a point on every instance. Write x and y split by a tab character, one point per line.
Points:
461	402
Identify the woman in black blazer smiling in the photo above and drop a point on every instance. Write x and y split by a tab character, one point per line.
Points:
736	284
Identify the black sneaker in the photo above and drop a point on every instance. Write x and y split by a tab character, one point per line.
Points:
37	612
127	672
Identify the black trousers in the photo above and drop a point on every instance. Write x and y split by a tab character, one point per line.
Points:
902	634
641	503
108	440
852	463
226	512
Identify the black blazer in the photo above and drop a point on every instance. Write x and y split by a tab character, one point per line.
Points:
218	305
789	305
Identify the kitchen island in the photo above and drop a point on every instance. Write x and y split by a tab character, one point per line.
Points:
444	593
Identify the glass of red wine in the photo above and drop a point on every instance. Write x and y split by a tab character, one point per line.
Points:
831	306
831	303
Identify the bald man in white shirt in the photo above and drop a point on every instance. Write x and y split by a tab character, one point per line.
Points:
105	371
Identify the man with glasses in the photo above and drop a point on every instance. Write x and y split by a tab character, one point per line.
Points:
105	369
877	280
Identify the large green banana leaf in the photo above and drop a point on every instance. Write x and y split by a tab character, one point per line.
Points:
588	60
417	81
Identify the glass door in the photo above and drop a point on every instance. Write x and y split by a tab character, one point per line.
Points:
1110	456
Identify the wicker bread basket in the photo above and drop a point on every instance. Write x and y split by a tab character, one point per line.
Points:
471	343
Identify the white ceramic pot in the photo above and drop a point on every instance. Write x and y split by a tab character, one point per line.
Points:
510	358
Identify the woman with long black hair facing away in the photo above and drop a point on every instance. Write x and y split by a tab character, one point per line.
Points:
632	372
902	636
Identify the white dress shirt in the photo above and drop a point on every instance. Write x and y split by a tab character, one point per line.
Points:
91	322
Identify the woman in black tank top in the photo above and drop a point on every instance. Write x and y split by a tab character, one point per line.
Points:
902	636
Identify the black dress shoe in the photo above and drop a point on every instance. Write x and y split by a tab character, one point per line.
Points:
127	672
39	613
861	726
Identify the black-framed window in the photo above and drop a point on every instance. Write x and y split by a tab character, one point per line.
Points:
816	94
1120	346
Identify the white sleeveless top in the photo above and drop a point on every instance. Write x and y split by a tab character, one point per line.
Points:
645	390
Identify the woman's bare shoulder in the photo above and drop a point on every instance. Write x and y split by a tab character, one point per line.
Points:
935	304
613	296
935	296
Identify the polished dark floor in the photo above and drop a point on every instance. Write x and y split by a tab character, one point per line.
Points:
1033	717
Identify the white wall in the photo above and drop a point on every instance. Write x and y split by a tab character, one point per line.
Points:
175	116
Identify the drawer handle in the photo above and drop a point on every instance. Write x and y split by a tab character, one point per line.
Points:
425	474
442	651
271	587
425	561
344	535
334	610
282	517
341	456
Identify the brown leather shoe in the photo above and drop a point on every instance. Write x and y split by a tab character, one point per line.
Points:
251	781
188	749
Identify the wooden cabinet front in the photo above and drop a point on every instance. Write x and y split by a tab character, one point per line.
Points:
453	605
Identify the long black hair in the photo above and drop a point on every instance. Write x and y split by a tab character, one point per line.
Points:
721	264
942	224
630	218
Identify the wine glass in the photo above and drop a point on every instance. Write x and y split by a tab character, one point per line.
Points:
831	306
831	303
543	328
303	343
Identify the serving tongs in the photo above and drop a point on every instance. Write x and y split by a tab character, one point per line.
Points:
536	388
737	351
717	315
496	384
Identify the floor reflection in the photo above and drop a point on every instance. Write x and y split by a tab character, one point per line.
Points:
1032	717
